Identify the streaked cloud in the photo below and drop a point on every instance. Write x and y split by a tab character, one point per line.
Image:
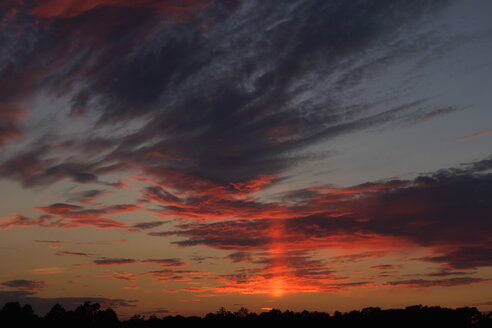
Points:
24	285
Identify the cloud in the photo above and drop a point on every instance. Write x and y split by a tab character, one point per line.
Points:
240	257
22	221
62	215
25	285
427	212
385	267
69	211
72	253
10	117
31	170
282	271
473	136
49	241
358	257
100	242
149	225
177	275
242	130
107	261
165	262
171	262
124	276
445	272
280	283
464	257
50	270
423	283
87	196
176	12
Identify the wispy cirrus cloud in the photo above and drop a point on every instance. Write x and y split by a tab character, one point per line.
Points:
264	114
473	136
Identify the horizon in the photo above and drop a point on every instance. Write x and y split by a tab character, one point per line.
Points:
163	156
241	311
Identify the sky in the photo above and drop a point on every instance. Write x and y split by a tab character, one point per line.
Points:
173	157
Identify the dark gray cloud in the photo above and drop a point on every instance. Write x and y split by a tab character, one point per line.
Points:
72	253
24	285
445	272
108	261
173	262
10	117
85	196
62	215
31	169
423	283
227	102
467	257
240	257
149	225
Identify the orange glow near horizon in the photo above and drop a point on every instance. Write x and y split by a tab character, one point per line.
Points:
277	283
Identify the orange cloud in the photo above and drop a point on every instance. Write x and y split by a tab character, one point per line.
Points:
473	136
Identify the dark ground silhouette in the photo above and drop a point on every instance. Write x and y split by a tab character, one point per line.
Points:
91	315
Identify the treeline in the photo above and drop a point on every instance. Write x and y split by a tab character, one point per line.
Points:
91	315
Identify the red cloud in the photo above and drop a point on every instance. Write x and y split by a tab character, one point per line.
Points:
62	215
124	276
10	116
175	11
22	221
380	217
255	185
68	216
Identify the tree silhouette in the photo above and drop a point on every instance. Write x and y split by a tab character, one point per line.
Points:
13	314
56	317
90	315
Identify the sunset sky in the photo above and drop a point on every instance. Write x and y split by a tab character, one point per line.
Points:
173	157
